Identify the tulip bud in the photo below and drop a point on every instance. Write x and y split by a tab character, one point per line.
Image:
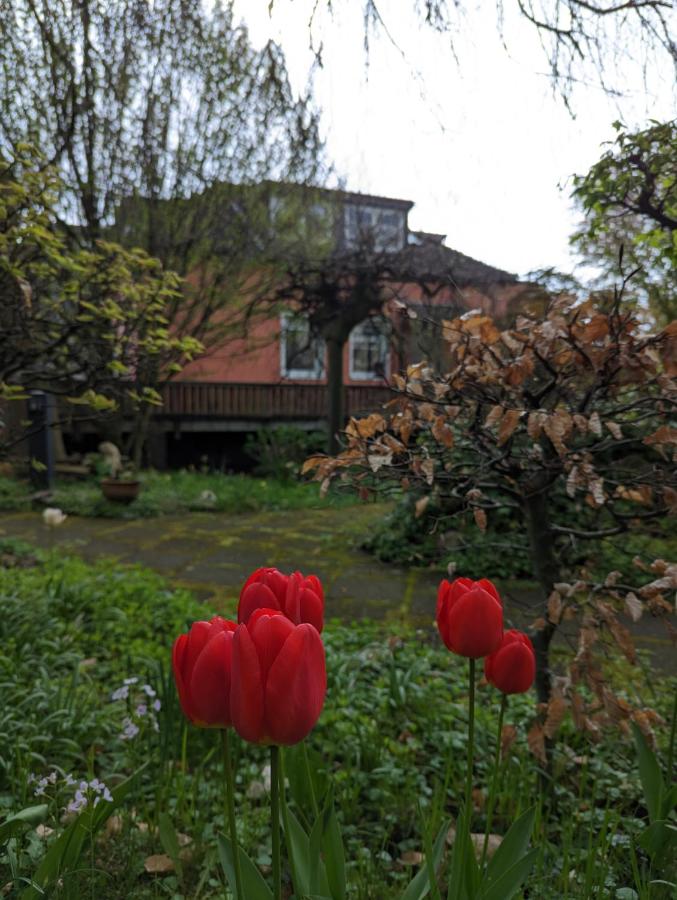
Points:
201	661
300	598
470	617
279	679
512	668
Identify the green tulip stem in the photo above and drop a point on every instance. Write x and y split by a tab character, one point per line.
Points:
471	743
229	784
671	747
309	777
494	779
287	830
275	819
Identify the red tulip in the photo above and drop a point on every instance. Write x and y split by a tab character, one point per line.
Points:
201	661
278	679
470	617
512	668
299	597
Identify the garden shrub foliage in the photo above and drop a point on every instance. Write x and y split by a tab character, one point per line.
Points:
565	421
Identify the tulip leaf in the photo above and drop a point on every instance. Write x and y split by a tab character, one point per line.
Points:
464	873
255	888
512	847
332	847
508	883
649	775
310	873
170	842
419	887
23	819
658	837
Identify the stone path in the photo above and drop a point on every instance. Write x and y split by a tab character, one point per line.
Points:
212	554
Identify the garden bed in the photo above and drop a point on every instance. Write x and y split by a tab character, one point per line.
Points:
72	634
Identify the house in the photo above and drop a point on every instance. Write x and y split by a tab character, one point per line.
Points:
277	372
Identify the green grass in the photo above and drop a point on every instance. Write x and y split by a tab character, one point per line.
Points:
394	720
164	493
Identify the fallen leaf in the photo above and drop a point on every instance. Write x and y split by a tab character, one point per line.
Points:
158	864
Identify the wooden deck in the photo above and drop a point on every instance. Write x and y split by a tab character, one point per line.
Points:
263	402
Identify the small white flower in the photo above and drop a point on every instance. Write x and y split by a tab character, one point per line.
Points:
129	681
107	795
157	705
52	517
148	690
70	781
121	694
141	709
52	777
39	791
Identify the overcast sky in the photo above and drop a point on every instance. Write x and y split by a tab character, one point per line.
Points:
481	145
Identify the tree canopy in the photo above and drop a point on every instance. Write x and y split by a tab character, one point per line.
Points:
629	200
78	322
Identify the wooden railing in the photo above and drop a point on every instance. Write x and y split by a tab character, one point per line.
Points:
264	401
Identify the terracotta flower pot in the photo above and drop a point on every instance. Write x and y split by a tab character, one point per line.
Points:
120	491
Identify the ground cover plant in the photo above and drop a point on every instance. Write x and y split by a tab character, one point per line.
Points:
87	696
167	493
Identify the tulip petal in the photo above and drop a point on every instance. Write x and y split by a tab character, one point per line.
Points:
296	687
475	624
246	688
256	596
198	636
269	633
311	608
210	682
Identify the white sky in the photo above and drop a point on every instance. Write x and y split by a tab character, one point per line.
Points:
482	146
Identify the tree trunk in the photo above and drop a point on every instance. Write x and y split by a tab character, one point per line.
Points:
546	571
140	432
334	393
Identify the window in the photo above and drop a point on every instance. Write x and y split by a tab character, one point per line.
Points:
383	227
368	348
301	353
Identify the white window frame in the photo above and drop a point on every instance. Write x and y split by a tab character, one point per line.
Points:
314	374
385	238
356	375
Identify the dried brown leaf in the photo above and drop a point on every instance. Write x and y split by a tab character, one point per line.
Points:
557	708
421	506
508	425
536	742
555	607
480	518
633	606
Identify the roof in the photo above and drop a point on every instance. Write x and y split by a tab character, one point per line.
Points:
431	259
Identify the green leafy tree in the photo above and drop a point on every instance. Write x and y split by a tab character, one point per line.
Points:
166	127
80	323
629	200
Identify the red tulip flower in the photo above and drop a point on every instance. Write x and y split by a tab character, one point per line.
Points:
470	617
201	661
300	598
278	678
512	668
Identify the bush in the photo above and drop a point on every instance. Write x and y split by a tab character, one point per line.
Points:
279	452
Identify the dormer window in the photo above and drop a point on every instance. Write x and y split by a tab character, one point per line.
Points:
373	227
